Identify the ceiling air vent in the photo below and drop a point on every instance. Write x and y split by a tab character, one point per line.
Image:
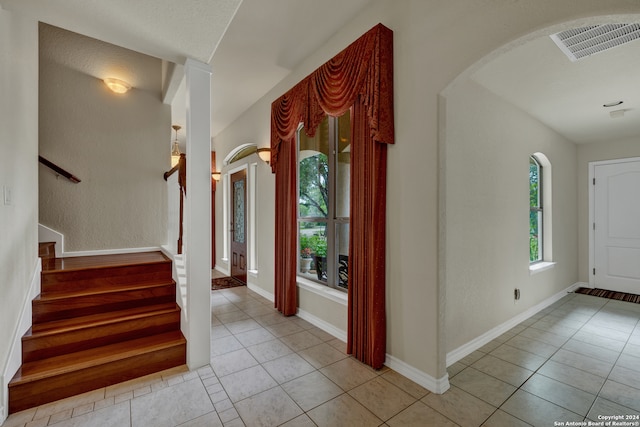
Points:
579	43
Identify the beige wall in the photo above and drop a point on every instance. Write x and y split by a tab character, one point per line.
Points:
607	150
488	144
118	145
18	171
434	42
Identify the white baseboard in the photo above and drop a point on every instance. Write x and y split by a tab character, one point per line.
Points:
14	359
265	294
432	384
322	324
112	251
468	348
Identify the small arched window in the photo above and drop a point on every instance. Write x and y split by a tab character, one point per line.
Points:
536	212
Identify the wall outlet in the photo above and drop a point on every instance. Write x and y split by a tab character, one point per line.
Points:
7	196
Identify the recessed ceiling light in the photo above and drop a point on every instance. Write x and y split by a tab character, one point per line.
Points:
612	104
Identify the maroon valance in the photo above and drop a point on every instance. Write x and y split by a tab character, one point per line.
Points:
364	68
359	78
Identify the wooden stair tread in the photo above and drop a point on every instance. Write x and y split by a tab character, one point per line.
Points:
59	365
106	261
65	325
53	296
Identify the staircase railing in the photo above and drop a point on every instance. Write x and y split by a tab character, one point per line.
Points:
181	168
57	169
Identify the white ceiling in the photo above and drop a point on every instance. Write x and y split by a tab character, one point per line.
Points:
251	47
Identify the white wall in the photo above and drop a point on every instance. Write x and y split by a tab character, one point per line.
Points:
434	42
488	144
19	172
118	145
606	150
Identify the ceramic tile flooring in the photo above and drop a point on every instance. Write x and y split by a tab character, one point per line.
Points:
574	361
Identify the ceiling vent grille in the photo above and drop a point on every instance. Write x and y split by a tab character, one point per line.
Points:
579	43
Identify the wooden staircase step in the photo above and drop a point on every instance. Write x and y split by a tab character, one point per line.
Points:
70	374
63	305
78	334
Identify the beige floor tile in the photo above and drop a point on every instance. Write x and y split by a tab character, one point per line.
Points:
343	411
502	419
629	362
599	341
301	340
224	345
582	362
172	405
321	355
270	319
300	421
460	407
284	328
414	389
456	368
207	420
625	376
420	415
601	331
518	357
324	336
470	359
232	316
348	373
19	419
312	390
577	378
561	394
269	350
382	398
49	409
544	336
503	370
534	346
621	394
590	350
287	368
632	349
548	325
234	361
114	416
272	407
536	411
607	407
254	336
243	384
483	386
242	326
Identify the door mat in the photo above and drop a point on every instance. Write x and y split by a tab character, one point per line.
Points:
604	293
225	283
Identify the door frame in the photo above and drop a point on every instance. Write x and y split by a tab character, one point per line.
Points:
592	174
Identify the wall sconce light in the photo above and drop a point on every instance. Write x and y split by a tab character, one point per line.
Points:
117	86
265	154
216	176
175	150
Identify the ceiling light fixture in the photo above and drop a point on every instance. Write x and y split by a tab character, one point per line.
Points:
117	86
175	151
612	104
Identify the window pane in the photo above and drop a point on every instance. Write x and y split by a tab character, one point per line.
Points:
534	183
343	169
342	244
313	169
313	247
535	237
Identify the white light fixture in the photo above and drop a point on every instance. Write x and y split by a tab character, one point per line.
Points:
175	150
215	176
264	154
117	86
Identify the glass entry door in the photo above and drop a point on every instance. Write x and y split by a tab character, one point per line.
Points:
239	225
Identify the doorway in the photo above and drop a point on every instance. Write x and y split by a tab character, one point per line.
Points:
238	224
615	227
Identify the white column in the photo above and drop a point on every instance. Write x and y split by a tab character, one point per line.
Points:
198	213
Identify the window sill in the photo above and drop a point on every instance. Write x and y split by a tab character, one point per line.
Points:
322	290
540	267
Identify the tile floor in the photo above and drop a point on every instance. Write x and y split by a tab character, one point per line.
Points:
574	361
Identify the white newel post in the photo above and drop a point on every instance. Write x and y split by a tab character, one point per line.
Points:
198	213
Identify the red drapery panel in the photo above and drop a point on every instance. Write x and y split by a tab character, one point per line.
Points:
361	76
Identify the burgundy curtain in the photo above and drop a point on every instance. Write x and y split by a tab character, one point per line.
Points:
360	77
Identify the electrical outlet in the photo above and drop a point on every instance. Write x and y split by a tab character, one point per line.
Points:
6	190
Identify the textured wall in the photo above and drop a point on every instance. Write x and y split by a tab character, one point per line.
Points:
118	145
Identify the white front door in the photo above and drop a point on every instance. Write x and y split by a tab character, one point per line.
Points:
617	226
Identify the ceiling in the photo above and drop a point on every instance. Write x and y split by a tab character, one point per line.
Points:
252	47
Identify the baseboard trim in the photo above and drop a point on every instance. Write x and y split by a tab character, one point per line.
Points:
112	251
434	385
260	291
14	359
468	348
322	324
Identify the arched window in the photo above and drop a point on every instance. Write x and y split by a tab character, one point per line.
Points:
540	236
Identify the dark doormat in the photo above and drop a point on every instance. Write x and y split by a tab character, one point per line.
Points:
604	293
225	283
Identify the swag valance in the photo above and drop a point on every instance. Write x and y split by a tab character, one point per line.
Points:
359	78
